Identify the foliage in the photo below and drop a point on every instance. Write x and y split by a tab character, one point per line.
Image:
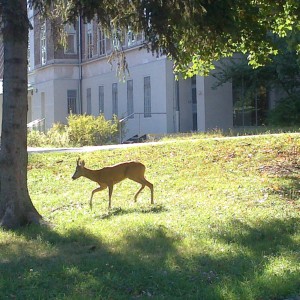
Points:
280	75
194	34
36	138
58	135
283	71
287	112
90	130
225	225
81	130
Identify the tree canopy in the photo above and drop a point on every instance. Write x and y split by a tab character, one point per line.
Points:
194	34
282	73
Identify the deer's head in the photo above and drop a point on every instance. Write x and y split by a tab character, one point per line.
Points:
79	169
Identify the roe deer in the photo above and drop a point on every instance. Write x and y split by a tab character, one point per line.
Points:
109	176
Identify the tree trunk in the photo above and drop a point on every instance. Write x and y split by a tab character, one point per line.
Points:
16	208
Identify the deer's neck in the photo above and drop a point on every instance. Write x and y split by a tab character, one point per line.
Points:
91	174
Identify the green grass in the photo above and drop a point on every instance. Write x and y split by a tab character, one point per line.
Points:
225	225
237	131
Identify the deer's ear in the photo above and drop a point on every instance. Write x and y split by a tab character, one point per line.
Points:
82	163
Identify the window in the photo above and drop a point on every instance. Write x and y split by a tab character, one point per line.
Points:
134	38
72	100
147	97
71	40
89	101
89	39
116	39
250	105
101	42
115	99
140	37
177	98
43	44
194	90
101	99
131	38
130	98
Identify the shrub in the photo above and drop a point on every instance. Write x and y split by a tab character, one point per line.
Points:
106	131
86	130
58	135
82	130
36	138
286	112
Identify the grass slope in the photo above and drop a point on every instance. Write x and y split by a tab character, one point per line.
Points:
225	225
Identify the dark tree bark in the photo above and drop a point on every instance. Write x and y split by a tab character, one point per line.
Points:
16	208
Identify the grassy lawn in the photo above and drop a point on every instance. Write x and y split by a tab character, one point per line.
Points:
225	225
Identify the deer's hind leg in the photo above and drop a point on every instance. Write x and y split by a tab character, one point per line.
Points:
150	186
144	183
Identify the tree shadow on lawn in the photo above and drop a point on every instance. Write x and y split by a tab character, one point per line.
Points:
149	263
269	249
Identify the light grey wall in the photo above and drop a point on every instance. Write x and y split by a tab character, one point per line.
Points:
145	65
170	97
201	103
50	85
60	99
218	105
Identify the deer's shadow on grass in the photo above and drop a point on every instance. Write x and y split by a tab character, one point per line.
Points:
124	211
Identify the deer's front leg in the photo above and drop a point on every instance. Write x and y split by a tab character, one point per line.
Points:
101	188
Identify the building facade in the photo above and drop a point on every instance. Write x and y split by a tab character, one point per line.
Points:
77	78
